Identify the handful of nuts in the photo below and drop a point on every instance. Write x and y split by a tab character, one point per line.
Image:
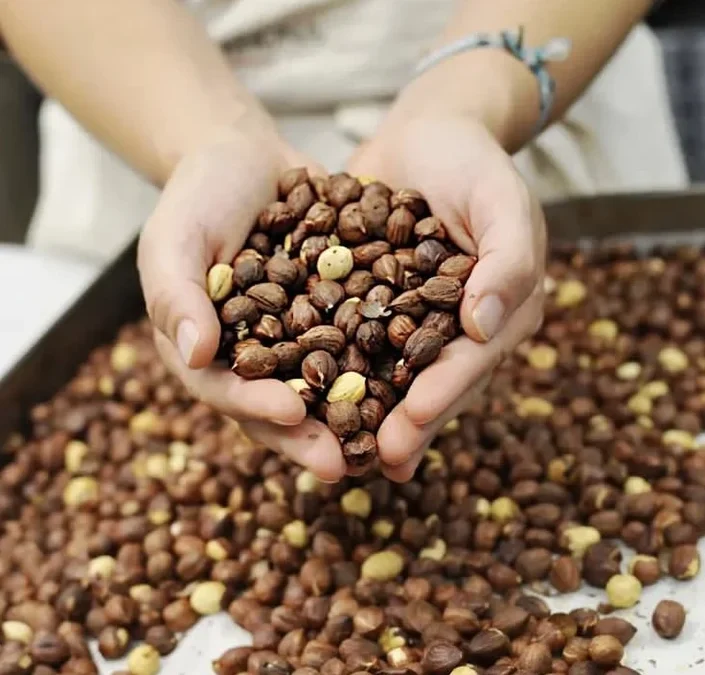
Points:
345	291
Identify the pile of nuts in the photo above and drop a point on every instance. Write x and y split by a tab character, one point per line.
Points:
129	510
345	292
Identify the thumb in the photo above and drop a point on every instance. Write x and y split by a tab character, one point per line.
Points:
173	275
511	252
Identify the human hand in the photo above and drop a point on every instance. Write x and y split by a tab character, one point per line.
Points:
472	185
204	216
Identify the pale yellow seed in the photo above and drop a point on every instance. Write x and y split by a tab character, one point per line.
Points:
533	406
645	422
106	385
177	463
584	362
157	466
399	657
435	457
102	567
383	528
141	593
673	359
503	509
366	180
391	638
463	670
216	550
307	482
636	485
579	538
600	422
604	329
143	660
549	285
123	357
349	386
450	427
298	384
655	389
81	490
356	502
542	357
623	591
483	508
678	438
219	281
628	371
207	597
144	422
275	490
17	631
570	293
437	551
179	449
295	534
288	242
382	566
74	454
640	404
336	262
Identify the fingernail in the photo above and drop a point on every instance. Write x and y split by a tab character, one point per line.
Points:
488	316
186	339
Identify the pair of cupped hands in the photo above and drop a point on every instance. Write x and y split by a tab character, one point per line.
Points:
205	214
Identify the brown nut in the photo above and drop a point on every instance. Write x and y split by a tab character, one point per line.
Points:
360	450
343	418
255	362
319	369
668	619
400	226
442	292
422	348
268	297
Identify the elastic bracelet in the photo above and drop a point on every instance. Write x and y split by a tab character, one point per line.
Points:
512	41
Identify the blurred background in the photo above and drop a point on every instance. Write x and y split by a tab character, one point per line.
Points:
679	24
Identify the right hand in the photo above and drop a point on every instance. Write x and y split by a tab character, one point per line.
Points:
204	216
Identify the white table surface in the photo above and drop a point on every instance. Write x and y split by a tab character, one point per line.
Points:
37	289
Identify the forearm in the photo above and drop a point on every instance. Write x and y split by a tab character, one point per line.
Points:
142	75
501	91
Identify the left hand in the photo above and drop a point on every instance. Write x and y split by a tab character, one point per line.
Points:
472	185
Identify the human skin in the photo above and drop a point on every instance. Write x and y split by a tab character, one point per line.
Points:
147	81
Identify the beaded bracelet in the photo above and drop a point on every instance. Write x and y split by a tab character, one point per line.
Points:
511	41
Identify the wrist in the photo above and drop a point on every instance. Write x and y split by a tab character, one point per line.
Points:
486	85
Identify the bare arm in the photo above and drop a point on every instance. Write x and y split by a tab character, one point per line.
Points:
495	87
142	75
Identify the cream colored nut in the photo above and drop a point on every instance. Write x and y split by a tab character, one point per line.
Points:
307	482
558	469
157	466
143	660
679	438
390	639
533	406
503	509
102	567
219	281
673	359
636	485
275	490
207	597
295	533
179	449
383	528
333	240
288	242
382	566
349	386
584	361
366	180
74	454
623	591
600	423
144	422
640	404
17	631
655	266
434	457
655	389
141	593
483	508
216	550
123	357
158	517
336	262
177	464
437	551
570	293
645	422
399	657
549	285
542	357
81	490
106	385
356	502
259	569
604	329
579	538
628	371
463	670
450	427
298	384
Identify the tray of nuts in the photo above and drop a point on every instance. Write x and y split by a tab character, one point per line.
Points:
552	529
